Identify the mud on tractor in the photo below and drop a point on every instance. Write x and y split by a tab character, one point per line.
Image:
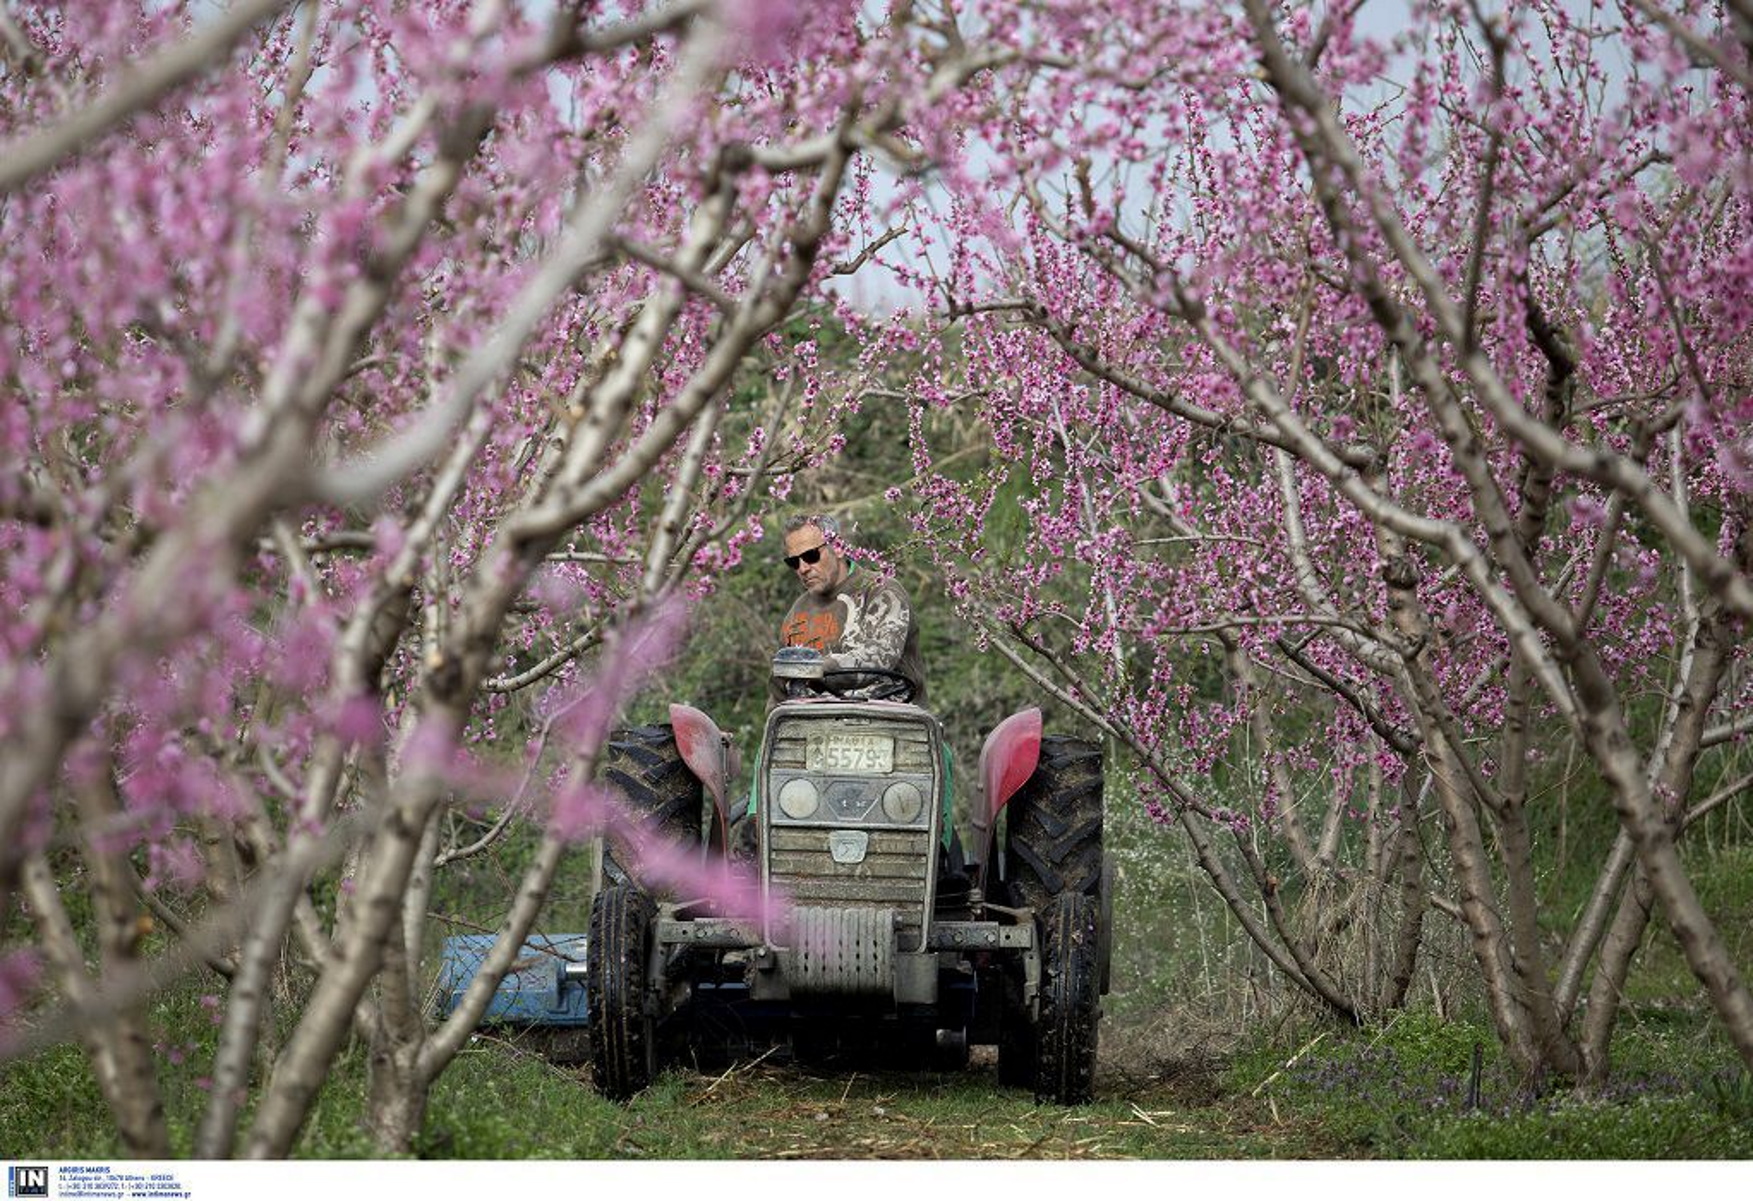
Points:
878	936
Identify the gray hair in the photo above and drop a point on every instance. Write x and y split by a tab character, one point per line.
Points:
830	528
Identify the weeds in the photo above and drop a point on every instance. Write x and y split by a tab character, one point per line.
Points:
1408	1090
1731	1094
1204	1056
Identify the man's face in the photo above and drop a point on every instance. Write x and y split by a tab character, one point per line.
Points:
825	574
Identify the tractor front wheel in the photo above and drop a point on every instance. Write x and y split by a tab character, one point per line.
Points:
623	1038
1071	979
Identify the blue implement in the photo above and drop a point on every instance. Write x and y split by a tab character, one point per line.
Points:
538	989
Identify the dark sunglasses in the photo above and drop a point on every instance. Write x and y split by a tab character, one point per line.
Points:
812	555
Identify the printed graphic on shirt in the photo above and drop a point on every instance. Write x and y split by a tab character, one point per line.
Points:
876	632
819	629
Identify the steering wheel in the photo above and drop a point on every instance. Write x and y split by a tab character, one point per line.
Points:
878	683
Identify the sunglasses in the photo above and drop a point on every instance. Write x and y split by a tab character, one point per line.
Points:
812	555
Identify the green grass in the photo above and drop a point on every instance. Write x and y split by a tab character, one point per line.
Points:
50	1107
775	1112
1328	1092
501	1101
1402	1091
1189	1072
1573	1128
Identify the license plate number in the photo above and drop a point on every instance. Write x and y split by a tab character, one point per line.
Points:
851	754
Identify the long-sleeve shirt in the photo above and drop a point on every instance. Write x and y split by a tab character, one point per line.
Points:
867	622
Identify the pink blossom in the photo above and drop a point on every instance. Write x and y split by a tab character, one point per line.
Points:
359	721
579	811
1587	512
20	971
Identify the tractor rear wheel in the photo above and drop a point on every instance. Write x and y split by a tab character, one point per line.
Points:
1071	1002
644	768
1053	826
623	1037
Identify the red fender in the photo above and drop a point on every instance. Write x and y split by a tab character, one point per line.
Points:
1007	760
709	755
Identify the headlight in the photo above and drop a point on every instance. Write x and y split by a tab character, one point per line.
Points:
798	799
902	802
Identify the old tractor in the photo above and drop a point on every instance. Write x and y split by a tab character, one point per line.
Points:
873	935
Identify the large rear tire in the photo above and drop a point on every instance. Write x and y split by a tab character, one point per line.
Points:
1071	1002
645	769
623	1037
1053	826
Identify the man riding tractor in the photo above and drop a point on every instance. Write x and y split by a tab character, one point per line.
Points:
865	928
854	617
864	628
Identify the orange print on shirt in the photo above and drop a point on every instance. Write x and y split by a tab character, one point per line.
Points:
819	630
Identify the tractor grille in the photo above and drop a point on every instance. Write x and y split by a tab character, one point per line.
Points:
912	742
892	875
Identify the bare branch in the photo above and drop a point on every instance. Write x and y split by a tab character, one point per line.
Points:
547	666
1404	742
1709	804
680	500
1487	189
1727	731
573	41
864	256
695	281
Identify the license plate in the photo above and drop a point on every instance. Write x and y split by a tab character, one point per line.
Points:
850	754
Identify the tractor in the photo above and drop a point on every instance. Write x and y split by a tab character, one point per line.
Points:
875	935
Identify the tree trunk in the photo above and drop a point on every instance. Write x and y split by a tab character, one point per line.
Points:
1653	839
119	1054
1410	931
1673	776
1608	987
304	1064
397	1095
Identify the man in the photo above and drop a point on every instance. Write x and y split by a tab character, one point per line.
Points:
855	619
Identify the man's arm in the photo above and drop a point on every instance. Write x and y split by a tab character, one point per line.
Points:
876	630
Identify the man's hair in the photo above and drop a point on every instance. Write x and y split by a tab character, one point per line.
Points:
829	527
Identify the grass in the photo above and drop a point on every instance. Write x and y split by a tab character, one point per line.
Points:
50	1107
1323	1092
1406	1091
773	1112
1200	1061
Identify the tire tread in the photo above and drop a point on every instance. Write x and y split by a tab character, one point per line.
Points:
1070	1001
622	1046
644	768
1053	825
